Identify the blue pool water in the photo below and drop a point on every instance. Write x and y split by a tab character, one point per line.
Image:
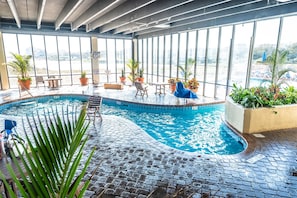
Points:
189	129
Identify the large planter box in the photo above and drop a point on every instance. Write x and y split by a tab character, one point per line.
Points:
249	120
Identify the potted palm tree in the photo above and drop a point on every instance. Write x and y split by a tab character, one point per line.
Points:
21	64
133	66
83	78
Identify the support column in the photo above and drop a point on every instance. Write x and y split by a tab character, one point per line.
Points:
3	67
95	55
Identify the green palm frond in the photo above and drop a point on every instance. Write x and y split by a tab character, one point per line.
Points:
186	70
275	61
54	153
21	64
133	66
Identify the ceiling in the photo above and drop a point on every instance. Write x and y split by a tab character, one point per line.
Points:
134	18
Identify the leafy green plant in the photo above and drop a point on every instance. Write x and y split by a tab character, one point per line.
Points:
256	97
140	75
83	74
133	66
53	157
21	64
123	73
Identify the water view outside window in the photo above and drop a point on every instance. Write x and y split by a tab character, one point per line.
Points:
200	59
39	54
120	63
155	59
191	51
224	52
174	55
11	46
145	56
85	44
167	56
161	59
288	41
265	44
211	64
242	41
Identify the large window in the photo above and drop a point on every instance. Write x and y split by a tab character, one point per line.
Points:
66	56
211	64
221	56
242	41
288	42
224	53
265	44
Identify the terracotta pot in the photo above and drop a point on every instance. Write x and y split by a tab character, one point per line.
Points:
25	84
123	79
83	81
194	90
140	79
173	87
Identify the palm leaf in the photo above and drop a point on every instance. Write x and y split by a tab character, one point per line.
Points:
56	148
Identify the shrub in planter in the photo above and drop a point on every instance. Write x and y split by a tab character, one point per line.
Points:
256	97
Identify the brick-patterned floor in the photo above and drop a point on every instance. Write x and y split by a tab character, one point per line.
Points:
132	164
135	165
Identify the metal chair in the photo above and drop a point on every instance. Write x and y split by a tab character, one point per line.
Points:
141	90
94	108
39	79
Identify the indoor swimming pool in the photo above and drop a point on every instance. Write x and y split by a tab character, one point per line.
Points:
193	129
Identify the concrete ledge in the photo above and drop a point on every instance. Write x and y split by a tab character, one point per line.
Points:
113	86
249	120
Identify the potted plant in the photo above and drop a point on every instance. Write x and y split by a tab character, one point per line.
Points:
172	83
123	77
83	79
140	77
133	66
21	64
52	163
193	85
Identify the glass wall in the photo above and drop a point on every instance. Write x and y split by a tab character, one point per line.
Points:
288	42
224	55
67	56
217	57
265	44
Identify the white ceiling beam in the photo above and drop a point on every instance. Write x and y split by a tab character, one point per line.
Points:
96	10
14	12
68	9
41	7
125	8
200	12
144	12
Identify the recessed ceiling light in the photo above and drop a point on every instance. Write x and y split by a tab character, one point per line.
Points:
283	1
162	26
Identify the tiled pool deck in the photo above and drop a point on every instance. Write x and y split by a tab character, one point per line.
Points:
132	164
